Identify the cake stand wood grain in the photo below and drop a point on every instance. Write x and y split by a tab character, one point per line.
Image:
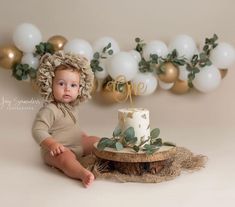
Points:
130	156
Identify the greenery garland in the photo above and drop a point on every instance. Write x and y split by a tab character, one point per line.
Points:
155	63
127	139
95	62
24	71
202	59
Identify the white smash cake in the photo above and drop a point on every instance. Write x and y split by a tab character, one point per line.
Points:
138	118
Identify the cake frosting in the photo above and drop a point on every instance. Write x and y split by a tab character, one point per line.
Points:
138	118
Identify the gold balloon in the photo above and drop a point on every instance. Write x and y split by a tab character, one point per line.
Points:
57	41
180	87
223	72
171	73
111	97
9	56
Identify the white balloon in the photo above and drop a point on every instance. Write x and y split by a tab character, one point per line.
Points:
136	55
26	36
79	47
29	59
184	45
196	52
147	80
164	85
103	42
155	47
208	79
122	64
223	56
183	73
101	74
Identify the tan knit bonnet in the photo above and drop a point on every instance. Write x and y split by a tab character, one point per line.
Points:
46	73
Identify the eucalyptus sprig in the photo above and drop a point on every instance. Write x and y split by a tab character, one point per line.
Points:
173	58
193	68
145	65
201	60
210	44
148	65
43	48
95	62
139	45
23	72
127	139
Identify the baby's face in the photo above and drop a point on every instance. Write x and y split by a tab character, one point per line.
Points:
66	86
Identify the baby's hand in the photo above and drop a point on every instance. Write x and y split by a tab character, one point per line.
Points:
56	149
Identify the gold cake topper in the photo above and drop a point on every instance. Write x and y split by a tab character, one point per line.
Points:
128	88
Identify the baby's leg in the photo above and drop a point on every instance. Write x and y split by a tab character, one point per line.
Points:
87	143
68	163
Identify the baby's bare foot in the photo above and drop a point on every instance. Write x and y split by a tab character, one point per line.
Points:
87	178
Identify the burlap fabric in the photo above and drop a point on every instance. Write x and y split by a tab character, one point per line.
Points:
183	160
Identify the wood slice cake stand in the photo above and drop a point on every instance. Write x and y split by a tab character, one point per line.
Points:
129	162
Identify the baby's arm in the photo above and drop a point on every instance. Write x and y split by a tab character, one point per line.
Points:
40	131
52	146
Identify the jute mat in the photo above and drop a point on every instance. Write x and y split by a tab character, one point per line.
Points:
183	160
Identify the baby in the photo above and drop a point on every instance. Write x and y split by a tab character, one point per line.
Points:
64	80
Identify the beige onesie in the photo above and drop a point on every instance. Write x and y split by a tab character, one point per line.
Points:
51	121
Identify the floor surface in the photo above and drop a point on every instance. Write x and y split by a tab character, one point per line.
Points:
26	181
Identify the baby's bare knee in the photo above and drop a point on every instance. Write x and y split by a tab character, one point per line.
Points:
65	158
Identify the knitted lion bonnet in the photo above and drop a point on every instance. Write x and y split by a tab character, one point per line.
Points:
46	73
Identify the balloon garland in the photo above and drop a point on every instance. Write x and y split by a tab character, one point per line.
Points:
177	67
